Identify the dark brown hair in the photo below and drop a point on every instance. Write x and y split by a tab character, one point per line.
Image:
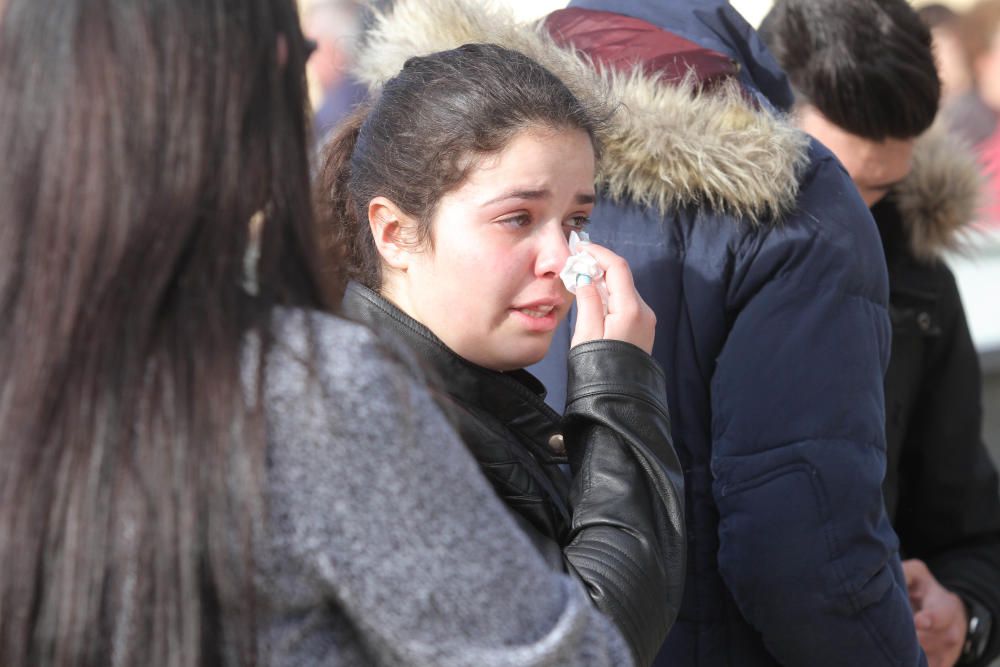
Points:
139	138
429	126
867	65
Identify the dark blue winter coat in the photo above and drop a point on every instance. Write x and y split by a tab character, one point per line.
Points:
775	336
766	273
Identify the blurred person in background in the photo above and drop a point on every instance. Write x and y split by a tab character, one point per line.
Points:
765	272
979	31
200	467
334	26
866	86
961	108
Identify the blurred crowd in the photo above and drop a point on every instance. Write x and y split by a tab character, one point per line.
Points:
967	47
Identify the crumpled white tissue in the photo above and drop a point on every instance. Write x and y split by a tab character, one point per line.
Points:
580	263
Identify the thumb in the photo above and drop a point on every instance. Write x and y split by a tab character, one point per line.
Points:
923	620
589	315
917	582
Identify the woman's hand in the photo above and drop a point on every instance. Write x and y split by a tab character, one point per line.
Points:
628	319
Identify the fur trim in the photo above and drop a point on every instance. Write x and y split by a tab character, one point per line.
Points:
665	146
941	193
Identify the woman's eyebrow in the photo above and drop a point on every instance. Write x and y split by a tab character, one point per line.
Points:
521	194
544	193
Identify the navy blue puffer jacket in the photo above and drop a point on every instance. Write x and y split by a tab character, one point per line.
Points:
773	330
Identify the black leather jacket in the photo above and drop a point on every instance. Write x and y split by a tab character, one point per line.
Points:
616	521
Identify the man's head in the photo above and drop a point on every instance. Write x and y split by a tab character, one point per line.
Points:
865	81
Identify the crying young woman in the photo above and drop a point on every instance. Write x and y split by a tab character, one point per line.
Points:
453	195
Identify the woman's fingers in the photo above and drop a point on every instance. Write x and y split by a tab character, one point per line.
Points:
589	315
628	319
617	276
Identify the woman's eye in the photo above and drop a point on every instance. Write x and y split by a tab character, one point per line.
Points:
577	222
519	220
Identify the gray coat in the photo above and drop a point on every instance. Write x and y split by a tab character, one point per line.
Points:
367	561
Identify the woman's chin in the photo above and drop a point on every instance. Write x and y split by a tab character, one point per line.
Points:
531	356
517	355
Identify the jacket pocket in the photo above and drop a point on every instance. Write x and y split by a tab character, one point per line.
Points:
782	520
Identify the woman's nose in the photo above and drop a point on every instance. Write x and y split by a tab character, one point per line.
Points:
552	251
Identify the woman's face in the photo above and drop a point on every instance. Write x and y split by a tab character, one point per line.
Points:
488	285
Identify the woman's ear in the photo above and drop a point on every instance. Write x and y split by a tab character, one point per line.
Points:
393	231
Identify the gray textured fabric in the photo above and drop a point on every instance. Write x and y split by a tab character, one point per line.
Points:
368	561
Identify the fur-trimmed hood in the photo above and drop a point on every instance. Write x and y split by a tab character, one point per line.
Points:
941	193
667	145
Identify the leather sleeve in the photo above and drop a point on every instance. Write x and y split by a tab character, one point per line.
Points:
627	542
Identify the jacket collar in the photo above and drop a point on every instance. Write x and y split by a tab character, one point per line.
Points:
713	25
515	398
940	196
620	42
668	144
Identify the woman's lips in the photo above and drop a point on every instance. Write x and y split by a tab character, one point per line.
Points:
539	316
537	311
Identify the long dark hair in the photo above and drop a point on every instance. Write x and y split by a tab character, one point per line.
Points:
139	139
427	128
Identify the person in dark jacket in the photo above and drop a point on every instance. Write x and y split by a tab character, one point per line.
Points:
765	272
455	193
940	487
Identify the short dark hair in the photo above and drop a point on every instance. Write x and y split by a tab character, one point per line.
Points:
867	65
425	131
